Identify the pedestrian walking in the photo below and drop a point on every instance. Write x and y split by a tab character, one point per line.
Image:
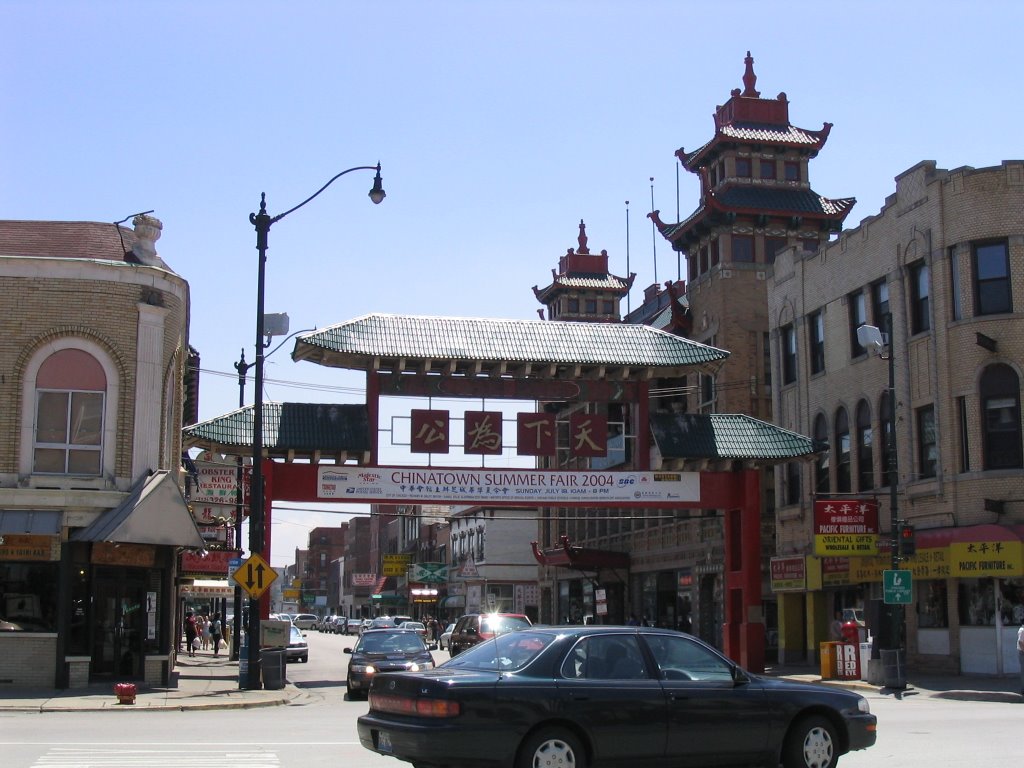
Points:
191	632
215	633
1020	655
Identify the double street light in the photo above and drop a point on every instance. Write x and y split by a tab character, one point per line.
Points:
263	221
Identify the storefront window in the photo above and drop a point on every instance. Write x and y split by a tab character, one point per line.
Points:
28	597
1013	602
977	603
931	605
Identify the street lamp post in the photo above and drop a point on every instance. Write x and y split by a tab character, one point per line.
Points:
870	337
243	368
263	221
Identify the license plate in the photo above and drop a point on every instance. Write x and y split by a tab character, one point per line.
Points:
383	741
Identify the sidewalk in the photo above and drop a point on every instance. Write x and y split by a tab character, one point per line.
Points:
199	682
205	682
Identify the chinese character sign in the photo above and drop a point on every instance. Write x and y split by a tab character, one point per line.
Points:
483	433
588	435
429	431
536	434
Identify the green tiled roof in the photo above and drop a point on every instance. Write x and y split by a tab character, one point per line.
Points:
379	340
300	427
799	201
726	436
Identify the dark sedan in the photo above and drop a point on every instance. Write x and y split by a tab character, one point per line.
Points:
596	696
384	650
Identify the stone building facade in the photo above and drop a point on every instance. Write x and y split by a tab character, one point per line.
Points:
944	262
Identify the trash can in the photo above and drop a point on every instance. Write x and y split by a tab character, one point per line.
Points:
272	664
827	651
894	668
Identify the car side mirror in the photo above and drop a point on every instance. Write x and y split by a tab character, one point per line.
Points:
740	676
347	650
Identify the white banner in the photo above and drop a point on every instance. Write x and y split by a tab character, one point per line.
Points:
506	486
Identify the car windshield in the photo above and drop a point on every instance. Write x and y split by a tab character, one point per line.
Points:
390	642
296	635
496	625
506	653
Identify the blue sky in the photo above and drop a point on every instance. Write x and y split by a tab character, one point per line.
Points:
499	125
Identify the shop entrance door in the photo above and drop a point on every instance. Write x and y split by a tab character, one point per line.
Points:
119	623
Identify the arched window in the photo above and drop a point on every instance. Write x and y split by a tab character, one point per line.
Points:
821	481
886	448
1000	407
865	454
842	451
70	390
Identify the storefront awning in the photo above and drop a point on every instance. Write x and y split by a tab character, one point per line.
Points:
568	555
454	601
154	512
204	588
39	521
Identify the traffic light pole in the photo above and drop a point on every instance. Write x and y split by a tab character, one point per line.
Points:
894	640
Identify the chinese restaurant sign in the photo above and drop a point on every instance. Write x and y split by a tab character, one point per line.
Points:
845	527
506	486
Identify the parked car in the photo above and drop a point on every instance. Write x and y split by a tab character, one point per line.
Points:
324	623
384	650
305	621
600	695
340	625
473	628
445	640
416	626
364	625
383	622
298	649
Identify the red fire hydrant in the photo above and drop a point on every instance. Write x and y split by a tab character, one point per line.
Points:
125	693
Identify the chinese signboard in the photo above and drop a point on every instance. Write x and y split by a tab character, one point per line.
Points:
395	565
218	484
985	558
845	527
364	579
789	574
506	486
429	573
25	546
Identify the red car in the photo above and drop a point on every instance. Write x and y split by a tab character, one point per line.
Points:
474	628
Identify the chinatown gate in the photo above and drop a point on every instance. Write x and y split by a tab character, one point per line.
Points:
588	380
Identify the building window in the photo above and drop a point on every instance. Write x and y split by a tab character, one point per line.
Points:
788	337
591	306
858	317
932	612
766	353
880	305
842	451
920	318
772	245
816	341
767	169
1001	427
965	442
608	307
691	263
792	488
954	283
886	452
703	259
707	389
865	453
810	245
743	167
742	248
821	481
574	306
927	446
70	403
714	252
991	278
792	169
28	592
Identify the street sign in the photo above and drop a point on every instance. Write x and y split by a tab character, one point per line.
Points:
233	565
255	575
897	587
429	573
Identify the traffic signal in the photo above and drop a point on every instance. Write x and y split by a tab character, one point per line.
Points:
908	544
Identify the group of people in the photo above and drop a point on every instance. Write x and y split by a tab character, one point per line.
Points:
204	633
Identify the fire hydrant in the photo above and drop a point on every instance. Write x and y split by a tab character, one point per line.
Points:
125	693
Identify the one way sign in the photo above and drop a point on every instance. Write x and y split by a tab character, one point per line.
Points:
254	575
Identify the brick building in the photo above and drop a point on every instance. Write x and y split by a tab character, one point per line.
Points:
944	261
94	349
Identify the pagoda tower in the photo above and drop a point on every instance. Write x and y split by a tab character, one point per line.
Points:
583	289
755	199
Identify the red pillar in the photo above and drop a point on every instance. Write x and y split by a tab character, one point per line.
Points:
744	633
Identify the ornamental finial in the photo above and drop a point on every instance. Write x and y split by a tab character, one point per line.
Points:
749	78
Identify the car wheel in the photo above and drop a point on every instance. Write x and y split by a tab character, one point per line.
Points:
811	743
552	748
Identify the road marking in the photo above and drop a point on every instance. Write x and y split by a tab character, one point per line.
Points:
171	757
